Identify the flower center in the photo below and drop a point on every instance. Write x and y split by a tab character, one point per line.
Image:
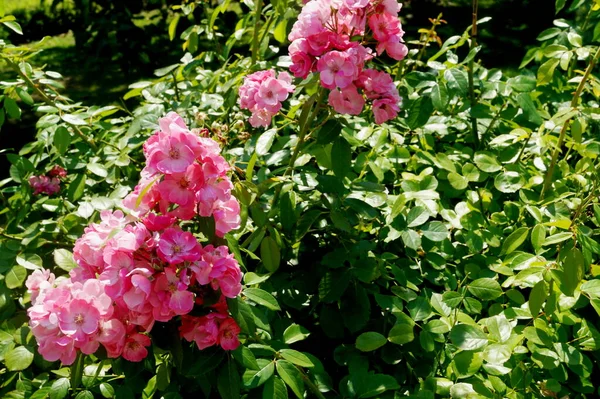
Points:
176	249
174	153
79	319
184	183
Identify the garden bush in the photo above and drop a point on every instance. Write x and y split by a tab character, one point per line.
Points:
407	222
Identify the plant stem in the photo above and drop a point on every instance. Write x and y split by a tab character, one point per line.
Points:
313	388
306	119
77	371
471	72
257	14
563	131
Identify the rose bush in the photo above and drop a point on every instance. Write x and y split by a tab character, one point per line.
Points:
444	245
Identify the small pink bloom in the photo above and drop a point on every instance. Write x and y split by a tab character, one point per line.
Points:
177	246
228	334
78	319
347	101
385	109
135	347
337	70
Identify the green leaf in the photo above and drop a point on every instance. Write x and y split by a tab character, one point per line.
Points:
62	140
538	236
514	240
437	327
295	333
97	169
245	357
457	80
291	376
467	363
14	26
24	95
76	188
411	239
173	26
30	261
401	333
560	5
591	288
242	314
73	119
509	182
275	389
262	298
12	109
15	277
64	259
468	337
60	388
573	268
107	390
485	288
556	238
457	181
228	382
270	254
546	71
439	96
419	112
341	157
368	385
255	378
18	359
298	358
370	341
435	231
85	395
417	216
537	297
487	162
265	141
529	109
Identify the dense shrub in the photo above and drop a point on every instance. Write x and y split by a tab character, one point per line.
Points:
450	251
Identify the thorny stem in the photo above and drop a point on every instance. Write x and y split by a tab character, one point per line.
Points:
257	14
430	34
306	119
563	131
48	100
493	122
471	72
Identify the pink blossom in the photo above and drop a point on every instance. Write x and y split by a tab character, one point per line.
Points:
347	101
202	330
385	109
394	49
78	319
171	155
176	246
228	334
44	185
57	171
135	347
337	70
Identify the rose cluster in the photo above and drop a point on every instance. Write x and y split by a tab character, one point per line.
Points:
262	94
133	271
49	183
185	175
330	38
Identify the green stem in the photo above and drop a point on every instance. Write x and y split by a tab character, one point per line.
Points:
306	119
77	371
257	14
563	131
471	73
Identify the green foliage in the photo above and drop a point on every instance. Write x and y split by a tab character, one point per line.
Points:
408	259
